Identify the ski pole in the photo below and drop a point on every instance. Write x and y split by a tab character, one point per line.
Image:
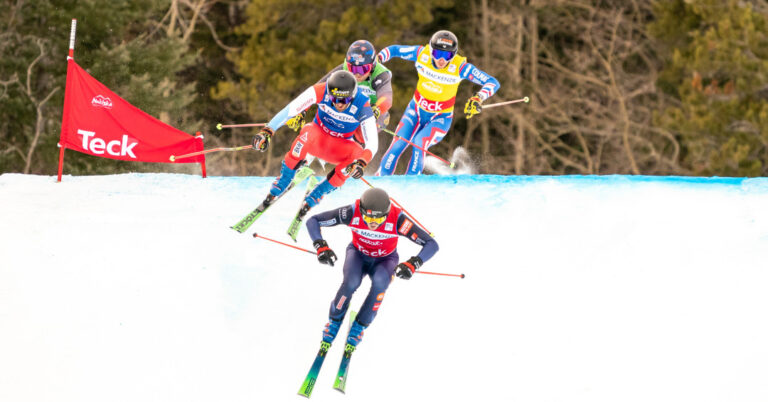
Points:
451	164
284	244
401	207
255	235
221	126
207	151
524	100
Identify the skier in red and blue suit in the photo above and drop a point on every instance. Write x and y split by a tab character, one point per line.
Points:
429	115
376	226
342	133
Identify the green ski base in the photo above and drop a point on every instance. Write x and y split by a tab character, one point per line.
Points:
295	226
309	383
340	384
249	219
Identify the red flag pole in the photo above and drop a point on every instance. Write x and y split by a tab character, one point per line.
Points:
70	56
202	164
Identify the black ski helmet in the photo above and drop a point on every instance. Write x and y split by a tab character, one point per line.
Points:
342	84
444	40
361	52
374	203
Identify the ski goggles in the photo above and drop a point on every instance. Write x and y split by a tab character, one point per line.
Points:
370	219
446	55
344	100
359	70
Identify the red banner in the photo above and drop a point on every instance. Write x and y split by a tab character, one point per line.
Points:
98	122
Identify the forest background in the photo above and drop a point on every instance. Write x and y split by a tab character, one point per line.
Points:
677	87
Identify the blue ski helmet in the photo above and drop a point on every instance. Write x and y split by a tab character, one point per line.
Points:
361	52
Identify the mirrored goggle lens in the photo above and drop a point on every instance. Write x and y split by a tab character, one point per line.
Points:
343	100
370	219
359	70
438	54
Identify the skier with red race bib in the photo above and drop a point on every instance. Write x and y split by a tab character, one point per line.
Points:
376	225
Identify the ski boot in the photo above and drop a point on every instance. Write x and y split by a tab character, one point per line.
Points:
330	331
355	337
282	182
317	194
266	203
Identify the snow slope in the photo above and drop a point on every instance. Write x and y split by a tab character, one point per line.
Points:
133	288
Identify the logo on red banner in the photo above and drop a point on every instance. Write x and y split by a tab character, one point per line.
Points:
101	101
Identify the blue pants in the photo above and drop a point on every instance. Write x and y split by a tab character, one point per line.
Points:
421	128
356	264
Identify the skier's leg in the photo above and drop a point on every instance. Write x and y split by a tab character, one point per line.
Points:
340	152
293	159
381	273
407	126
432	133
353	276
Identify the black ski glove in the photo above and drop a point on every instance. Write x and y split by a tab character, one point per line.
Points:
405	270
357	168
262	138
324	253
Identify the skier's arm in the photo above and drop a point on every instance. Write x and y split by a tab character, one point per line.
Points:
302	102
490	84
330	218
406	227
369	132
409	53
382	84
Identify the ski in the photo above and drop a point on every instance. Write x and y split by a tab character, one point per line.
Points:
295	226
309	382
341	377
340	384
248	220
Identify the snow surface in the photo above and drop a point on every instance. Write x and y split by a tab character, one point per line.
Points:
133	288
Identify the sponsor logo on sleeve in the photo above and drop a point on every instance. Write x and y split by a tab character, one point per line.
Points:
329	222
405	227
479	75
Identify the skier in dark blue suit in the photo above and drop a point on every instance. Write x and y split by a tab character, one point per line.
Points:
376	226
